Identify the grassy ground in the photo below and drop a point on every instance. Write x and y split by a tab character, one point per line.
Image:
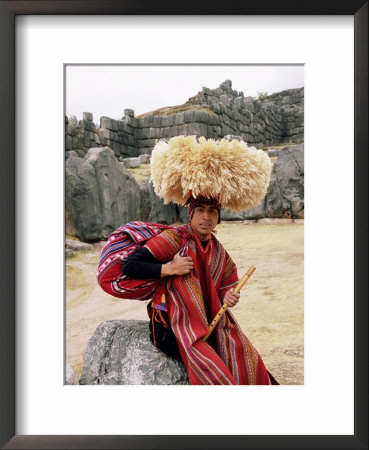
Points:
271	309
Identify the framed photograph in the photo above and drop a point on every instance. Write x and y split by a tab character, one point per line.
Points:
38	39
99	203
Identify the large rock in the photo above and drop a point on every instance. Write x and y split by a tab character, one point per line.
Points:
70	153
120	352
118	190
82	205
70	376
145	158
258	211
131	162
183	213
253	213
152	208
227	214
285	196
78	246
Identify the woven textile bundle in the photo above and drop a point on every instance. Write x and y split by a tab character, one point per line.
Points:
237	175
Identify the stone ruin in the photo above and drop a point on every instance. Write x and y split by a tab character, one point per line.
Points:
102	191
213	113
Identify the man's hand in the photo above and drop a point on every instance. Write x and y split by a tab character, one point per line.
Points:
181	265
231	298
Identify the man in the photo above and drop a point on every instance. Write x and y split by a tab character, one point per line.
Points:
193	289
185	269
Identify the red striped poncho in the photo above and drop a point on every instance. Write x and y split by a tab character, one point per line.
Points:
192	301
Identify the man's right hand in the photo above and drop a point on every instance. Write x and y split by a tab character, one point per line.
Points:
181	265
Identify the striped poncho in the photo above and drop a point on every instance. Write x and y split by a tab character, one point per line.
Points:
191	301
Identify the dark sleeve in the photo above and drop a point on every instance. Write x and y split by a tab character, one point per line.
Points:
142	265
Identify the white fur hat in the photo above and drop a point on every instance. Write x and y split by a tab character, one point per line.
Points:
230	171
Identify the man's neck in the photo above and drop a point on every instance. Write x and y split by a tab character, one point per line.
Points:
203	237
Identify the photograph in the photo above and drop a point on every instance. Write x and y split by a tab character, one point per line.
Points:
180	181
158	160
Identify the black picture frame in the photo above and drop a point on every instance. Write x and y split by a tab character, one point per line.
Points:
8	10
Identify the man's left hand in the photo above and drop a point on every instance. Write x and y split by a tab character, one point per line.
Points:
231	298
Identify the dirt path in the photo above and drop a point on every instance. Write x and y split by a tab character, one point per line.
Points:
271	309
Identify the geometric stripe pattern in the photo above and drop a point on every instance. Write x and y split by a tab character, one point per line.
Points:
121	243
227	357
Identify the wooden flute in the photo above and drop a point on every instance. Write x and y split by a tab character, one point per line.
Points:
224	308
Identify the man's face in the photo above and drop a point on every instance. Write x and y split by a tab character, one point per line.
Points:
204	219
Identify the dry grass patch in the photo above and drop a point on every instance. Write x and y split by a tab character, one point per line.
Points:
141	173
271	308
170	110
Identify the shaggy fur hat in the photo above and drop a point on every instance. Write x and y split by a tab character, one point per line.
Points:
230	171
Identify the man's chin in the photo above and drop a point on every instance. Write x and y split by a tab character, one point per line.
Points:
204	232
206	228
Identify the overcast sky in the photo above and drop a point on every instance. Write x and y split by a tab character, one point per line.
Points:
106	90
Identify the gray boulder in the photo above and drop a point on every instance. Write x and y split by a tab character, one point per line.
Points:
69	253
145	158
227	214
70	153
77	246
285	196
152	208
120	352
258	212
119	193
272	152
183	213
231	137
253	213
70	376
131	162
82	205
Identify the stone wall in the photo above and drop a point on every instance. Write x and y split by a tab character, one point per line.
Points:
82	135
270	120
212	113
101	194
291	103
